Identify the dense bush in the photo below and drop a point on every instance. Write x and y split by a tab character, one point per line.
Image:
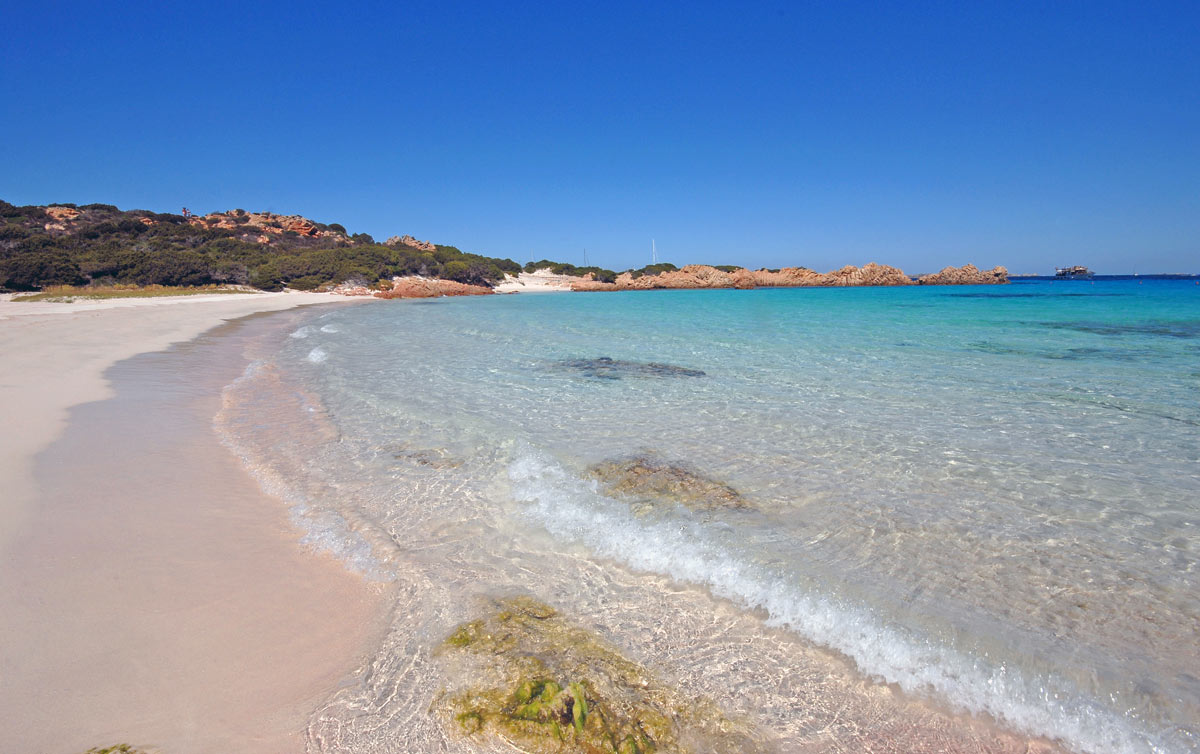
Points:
654	269
38	268
29	212
105	244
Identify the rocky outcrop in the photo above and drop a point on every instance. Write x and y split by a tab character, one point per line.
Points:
419	287
266	224
62	214
968	274
60	218
411	242
704	276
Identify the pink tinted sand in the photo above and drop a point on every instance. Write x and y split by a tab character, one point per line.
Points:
151	593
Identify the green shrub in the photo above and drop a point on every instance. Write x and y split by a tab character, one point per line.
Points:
121	249
33	270
13	232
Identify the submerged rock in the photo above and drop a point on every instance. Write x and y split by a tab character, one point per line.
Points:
647	477
604	368
435	458
544	685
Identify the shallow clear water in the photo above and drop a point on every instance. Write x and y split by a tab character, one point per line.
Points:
961	504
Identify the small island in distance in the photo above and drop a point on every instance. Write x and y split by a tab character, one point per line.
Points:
99	245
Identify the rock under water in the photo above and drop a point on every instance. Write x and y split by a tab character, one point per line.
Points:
658	481
544	685
605	368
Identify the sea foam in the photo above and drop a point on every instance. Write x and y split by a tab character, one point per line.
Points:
573	510
317	355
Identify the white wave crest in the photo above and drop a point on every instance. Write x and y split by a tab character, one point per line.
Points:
317	355
573	510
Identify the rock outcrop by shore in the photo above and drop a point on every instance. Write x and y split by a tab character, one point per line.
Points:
704	276
419	287
968	274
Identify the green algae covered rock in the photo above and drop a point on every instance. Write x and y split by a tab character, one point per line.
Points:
544	685
657	481
117	749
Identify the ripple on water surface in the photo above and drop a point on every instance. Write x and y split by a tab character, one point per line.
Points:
989	528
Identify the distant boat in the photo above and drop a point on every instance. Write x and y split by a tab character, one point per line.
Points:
1078	272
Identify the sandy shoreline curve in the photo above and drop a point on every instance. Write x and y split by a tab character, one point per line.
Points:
55	355
152	593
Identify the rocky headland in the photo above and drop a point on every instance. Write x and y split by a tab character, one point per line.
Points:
698	276
704	276
968	274
100	244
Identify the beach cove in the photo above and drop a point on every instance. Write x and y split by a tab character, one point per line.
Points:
781	520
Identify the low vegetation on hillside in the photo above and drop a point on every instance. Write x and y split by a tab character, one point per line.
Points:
99	244
70	293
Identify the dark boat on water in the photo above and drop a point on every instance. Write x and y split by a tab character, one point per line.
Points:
1078	272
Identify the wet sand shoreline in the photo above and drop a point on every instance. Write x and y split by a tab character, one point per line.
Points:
153	593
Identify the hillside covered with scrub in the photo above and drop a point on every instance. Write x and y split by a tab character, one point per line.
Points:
100	246
65	244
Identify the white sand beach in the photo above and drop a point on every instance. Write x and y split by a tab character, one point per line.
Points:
152	593
538	281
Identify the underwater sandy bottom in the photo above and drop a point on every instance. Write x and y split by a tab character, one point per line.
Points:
451	532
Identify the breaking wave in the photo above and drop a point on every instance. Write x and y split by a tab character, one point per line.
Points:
573	510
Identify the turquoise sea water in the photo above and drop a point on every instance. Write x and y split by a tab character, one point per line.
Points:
961	504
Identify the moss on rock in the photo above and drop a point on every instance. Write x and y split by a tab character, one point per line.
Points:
547	686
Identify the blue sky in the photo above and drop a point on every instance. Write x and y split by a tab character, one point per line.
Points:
773	134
